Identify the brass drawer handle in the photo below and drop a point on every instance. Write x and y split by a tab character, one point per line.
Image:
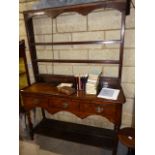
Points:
35	101
65	105
99	109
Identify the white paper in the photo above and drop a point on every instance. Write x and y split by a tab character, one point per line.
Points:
109	93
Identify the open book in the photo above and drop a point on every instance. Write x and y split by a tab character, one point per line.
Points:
109	93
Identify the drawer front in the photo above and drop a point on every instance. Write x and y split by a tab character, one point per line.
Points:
64	104
102	109
34	101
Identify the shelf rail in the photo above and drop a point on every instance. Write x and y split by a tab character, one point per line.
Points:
78	61
79	42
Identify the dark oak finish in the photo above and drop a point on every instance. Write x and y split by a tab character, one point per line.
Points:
122	44
45	95
55	79
31	40
76	132
30	124
79	61
124	135
25	73
127	137
80	42
84	9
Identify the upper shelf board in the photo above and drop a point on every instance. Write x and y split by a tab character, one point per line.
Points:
84	8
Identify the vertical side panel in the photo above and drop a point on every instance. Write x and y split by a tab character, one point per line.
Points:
122	35
31	41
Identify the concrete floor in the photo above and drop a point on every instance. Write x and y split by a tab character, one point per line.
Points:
42	145
31	148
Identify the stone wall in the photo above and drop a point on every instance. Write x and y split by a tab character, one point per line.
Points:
100	24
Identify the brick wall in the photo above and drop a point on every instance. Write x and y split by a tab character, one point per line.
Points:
100	24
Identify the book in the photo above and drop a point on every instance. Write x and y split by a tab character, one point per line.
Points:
92	83
109	93
92	78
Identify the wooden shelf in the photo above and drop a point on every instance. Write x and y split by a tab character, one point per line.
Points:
84	8
76	132
80	42
78	61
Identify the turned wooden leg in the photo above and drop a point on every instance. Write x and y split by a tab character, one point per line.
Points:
43	113
116	129
131	151
30	124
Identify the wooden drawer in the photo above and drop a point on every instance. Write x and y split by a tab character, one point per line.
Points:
64	104
97	108
34	101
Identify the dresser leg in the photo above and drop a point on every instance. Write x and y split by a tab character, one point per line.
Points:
43	113
30	125
114	152
131	151
116	129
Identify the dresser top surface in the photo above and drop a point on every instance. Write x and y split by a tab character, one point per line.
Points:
51	90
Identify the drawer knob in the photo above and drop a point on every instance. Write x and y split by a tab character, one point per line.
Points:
99	109
65	105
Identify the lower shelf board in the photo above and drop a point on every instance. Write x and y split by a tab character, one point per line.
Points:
76	132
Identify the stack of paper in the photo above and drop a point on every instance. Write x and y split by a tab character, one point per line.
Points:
109	93
91	85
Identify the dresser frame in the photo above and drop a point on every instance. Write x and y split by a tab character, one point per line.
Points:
45	95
